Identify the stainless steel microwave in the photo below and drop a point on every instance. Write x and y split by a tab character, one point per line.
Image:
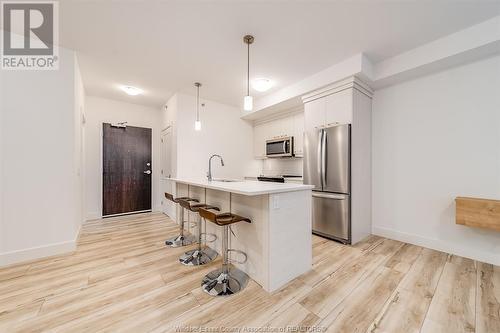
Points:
281	147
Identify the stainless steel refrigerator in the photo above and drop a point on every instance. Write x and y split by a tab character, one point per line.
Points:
327	166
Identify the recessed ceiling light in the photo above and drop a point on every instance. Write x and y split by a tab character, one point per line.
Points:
262	84
132	91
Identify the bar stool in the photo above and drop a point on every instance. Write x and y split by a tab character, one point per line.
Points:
198	256
226	280
181	239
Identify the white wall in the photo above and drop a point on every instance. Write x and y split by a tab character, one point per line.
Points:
101	110
281	166
1	167
40	206
435	138
78	147
223	133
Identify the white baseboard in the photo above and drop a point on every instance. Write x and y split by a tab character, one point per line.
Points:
14	257
77	236
438	245
19	256
96	215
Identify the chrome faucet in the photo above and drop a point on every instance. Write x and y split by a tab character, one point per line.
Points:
209	173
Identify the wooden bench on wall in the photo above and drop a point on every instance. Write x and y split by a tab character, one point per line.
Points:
479	213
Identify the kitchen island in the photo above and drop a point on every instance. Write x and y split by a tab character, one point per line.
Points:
278	242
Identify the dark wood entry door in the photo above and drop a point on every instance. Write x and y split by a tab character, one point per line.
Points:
127	170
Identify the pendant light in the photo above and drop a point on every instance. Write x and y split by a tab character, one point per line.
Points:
248	100
197	123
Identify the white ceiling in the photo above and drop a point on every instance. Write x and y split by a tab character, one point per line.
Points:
163	47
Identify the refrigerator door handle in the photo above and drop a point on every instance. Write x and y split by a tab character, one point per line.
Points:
320	157
323	158
330	196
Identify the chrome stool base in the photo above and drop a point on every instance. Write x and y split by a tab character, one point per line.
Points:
198	257
179	241
217	283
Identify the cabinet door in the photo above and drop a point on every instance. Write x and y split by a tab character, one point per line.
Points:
274	129
298	133
280	128
259	140
285	126
339	108
314	114
269	131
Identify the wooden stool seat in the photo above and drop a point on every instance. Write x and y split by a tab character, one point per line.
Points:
221	219
194	206
176	200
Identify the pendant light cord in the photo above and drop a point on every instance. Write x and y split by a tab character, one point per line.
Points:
198	103
248	69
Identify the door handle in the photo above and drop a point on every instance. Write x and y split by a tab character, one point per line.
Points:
319	155
324	165
147	172
330	196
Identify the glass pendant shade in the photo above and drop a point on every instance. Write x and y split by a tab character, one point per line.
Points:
248	103
197	125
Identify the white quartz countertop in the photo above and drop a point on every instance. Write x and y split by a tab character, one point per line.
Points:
244	187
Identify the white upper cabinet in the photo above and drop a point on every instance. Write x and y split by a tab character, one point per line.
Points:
298	134
314	114
292	125
339	108
329	110
260	135
280	128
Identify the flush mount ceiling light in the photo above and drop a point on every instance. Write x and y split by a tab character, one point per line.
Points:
197	123
248	100
262	84
132	91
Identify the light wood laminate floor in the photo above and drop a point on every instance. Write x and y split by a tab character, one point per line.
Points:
123	279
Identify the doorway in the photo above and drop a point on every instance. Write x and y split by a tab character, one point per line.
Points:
127	169
167	170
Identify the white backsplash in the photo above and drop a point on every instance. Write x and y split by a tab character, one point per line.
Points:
282	166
